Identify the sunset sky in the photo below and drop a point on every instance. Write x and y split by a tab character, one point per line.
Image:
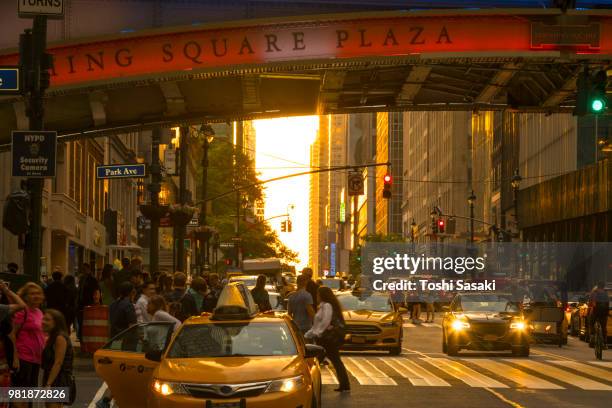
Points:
283	147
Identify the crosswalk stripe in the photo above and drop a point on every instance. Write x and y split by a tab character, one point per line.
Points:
607	364
366	373
514	374
561	375
328	377
585	369
431	325
464	373
414	373
409	325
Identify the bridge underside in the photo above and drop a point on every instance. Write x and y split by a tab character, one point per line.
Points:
543	81
364	86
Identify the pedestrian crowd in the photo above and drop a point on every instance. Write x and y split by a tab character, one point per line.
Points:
36	322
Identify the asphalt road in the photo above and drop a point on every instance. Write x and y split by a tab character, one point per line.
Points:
424	377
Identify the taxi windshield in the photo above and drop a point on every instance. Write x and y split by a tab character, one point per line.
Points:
375	303
487	303
233	339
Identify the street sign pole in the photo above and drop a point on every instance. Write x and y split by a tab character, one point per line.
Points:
35	91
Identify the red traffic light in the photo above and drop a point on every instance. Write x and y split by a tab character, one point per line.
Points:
228	262
387	178
441	226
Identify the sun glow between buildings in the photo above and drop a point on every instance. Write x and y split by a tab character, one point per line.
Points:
283	147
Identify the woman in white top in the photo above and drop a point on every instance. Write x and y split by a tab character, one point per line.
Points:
328	317
157	310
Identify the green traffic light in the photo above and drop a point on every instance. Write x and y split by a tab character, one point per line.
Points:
597	105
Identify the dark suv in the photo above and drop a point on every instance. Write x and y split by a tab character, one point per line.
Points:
484	321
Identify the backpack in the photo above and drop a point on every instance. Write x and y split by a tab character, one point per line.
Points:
175	308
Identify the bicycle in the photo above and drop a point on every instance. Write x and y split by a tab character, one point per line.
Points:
598	340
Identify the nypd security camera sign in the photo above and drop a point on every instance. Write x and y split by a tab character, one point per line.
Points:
49	8
34	153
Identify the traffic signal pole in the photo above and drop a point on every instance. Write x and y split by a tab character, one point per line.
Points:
303	173
35	72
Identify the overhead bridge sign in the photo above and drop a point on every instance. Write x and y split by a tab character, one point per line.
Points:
49	8
121	171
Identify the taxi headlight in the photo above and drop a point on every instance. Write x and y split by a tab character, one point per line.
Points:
459	325
167	388
286	384
518	325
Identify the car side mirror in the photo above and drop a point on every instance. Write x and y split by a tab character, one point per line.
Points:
154	355
314	351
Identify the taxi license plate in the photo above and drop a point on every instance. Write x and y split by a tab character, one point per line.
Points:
358	339
210	404
549	328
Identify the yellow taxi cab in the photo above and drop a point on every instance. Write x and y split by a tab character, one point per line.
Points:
371	321
232	358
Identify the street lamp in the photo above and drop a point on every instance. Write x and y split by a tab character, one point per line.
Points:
471	200
516	183
208	134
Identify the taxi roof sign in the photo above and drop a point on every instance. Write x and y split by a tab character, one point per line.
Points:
235	303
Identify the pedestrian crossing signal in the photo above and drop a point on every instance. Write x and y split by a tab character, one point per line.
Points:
284	226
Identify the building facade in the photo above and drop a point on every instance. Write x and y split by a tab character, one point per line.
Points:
389	149
436	171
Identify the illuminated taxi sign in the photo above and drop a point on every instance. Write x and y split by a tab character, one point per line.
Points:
235	303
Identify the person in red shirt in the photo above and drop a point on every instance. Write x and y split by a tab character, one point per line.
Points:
28	337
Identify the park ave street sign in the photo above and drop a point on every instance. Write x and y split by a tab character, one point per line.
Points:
49	8
121	171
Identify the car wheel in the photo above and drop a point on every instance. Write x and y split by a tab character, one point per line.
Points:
452	349
444	346
521	351
396	351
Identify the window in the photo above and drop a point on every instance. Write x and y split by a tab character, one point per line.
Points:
76	172
142	338
233	339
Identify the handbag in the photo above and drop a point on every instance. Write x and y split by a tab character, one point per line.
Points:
334	335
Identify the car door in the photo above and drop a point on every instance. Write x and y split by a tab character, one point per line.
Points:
121	363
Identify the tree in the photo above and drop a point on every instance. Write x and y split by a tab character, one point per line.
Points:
355	256
258	240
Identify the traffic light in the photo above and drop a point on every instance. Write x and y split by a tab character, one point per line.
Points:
387	181
441	225
591	93
289	226
598	101
284	226
434	225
